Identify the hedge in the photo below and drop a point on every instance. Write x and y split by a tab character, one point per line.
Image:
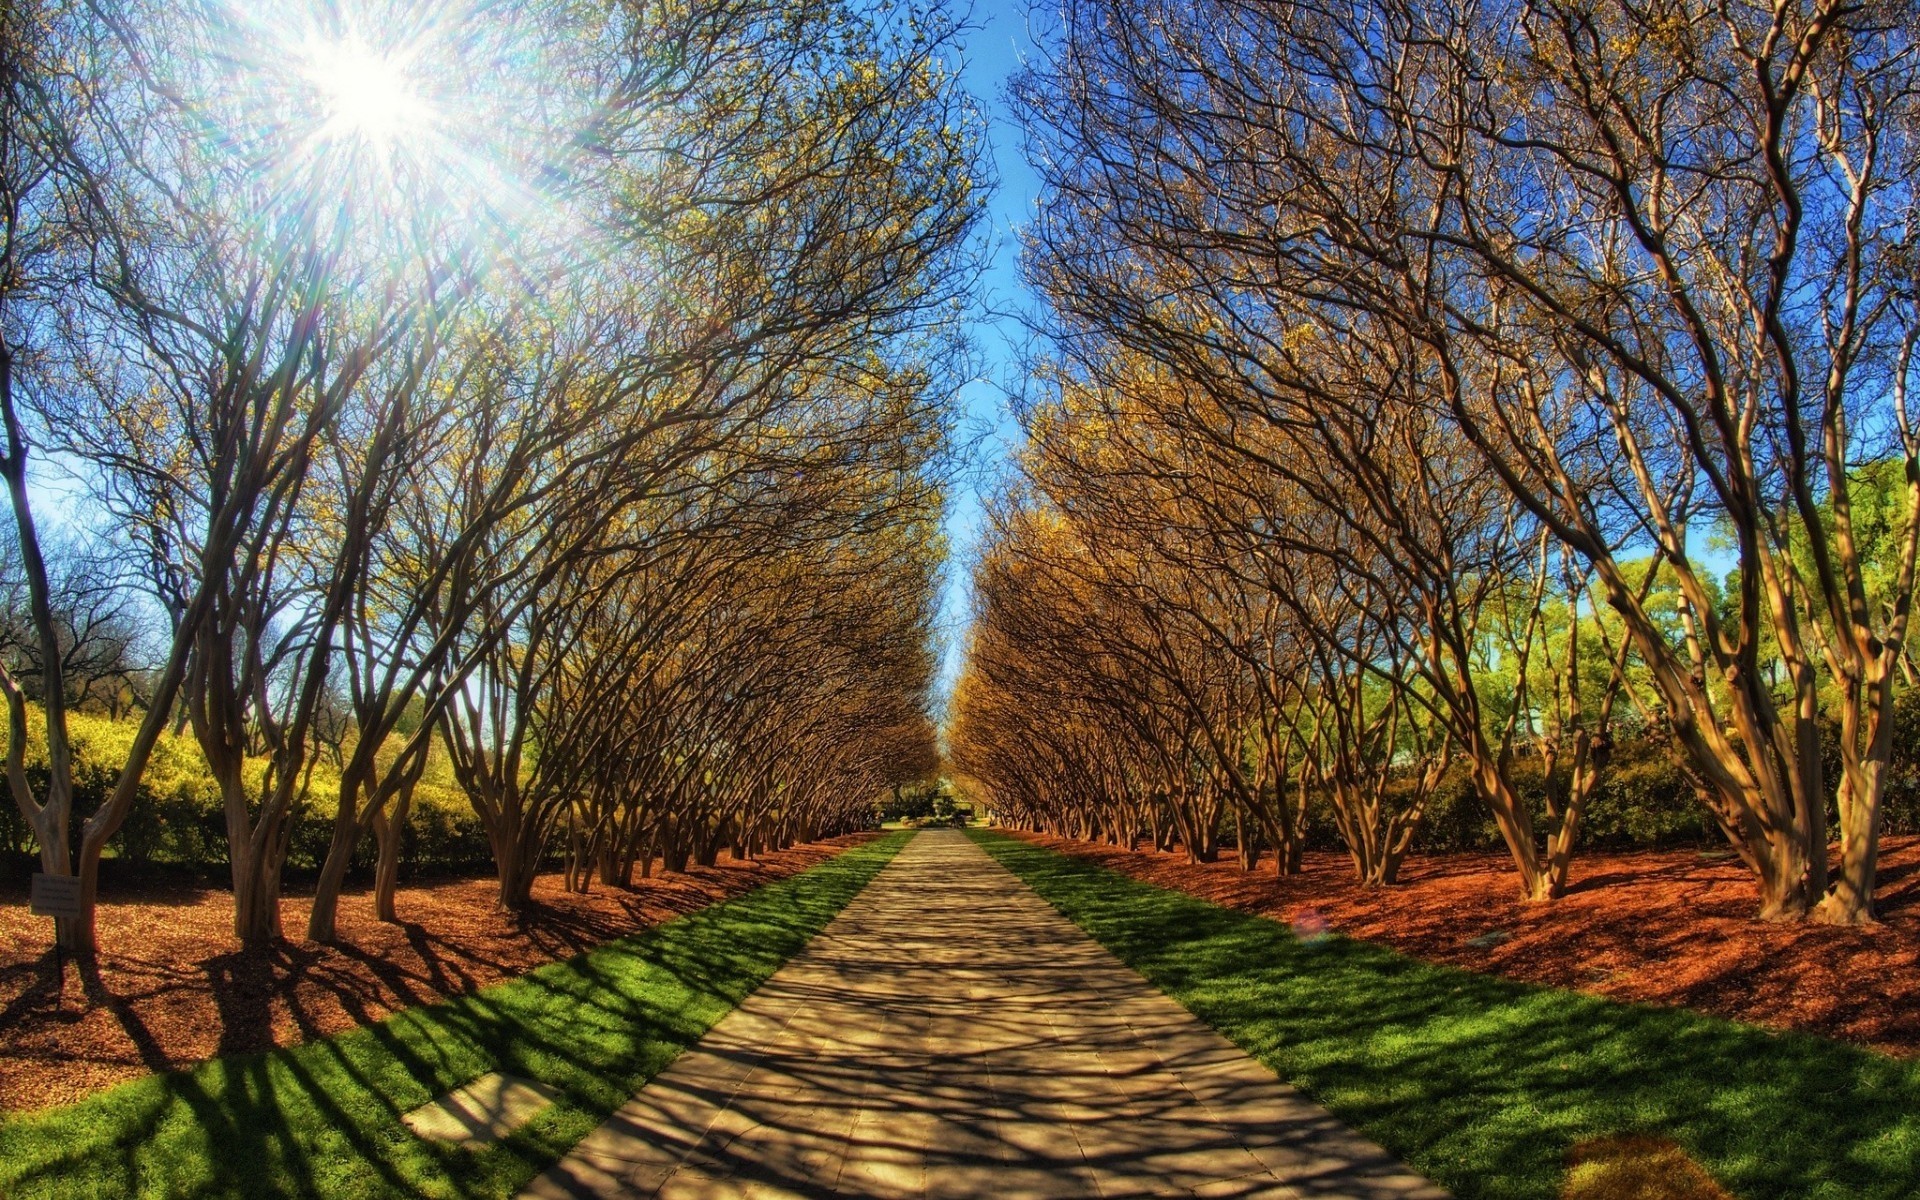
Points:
178	821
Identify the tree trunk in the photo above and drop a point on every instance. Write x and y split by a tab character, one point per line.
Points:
1784	891
514	864
323	918
388	832
256	903
1849	899
1209	838
516	885
255	850
1243	842
607	861
1516	829
574	875
674	854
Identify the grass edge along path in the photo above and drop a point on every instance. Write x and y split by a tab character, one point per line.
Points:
322	1119
1485	1084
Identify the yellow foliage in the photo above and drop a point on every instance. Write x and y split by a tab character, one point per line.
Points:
1637	1167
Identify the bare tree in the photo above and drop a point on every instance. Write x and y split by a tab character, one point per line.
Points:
1651	265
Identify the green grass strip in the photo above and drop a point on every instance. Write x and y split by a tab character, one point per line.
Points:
323	1119
1482	1083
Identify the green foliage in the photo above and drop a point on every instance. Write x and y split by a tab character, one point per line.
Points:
932	803
907	803
1484	1084
1900	808
442	834
1876	493
177	816
1644	800
178	821
323	1119
918	802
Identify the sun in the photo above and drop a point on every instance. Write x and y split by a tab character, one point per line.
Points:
365	94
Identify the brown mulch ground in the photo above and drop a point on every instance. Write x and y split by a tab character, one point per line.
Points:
175	989
1665	927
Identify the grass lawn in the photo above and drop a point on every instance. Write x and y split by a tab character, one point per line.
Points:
323	1119
1485	1084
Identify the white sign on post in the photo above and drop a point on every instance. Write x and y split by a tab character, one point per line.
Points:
54	895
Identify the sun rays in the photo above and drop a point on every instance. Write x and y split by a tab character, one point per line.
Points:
365	92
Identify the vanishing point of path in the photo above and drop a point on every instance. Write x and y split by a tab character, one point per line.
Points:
951	1035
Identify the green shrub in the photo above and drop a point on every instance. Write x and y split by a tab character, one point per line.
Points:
178	819
1644	800
443	834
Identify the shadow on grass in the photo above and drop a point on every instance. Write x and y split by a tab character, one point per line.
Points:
323	1119
1485	1084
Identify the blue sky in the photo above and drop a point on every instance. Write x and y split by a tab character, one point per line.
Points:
994	49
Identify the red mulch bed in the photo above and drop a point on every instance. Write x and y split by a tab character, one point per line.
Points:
1669	927
174	988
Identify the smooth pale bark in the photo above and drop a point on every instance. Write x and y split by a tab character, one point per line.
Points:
389	830
50	817
352	822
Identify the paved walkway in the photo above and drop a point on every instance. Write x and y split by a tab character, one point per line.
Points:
951	1035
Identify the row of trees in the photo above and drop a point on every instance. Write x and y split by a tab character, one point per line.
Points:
566	388
1455	382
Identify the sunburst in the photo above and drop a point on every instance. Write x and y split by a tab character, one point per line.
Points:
366	94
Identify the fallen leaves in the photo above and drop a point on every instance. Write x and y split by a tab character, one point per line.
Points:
173	989
1637	1167
1670	927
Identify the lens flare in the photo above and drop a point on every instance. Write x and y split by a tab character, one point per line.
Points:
394	132
367	94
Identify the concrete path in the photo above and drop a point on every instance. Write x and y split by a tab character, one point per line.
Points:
951	1035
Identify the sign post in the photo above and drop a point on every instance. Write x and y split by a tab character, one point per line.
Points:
56	896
